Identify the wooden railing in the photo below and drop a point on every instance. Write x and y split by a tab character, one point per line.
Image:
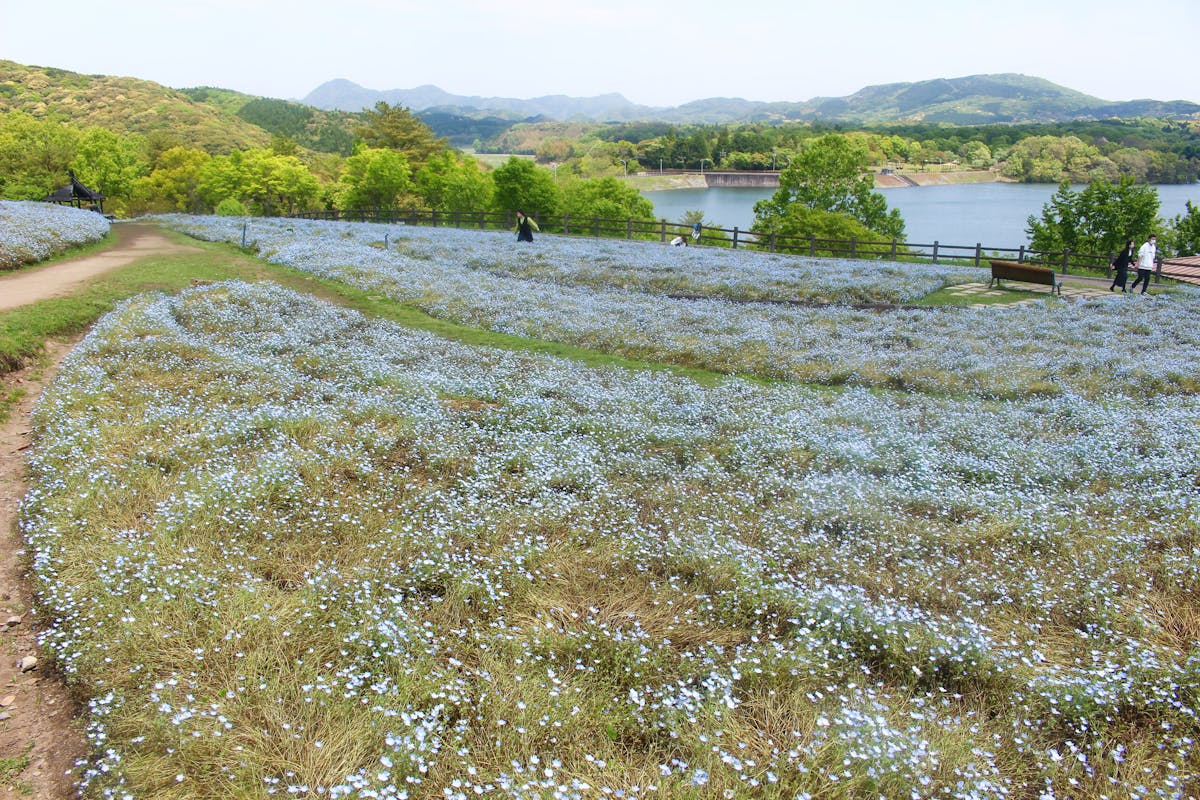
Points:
884	250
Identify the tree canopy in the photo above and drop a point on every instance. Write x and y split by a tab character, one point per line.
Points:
829	174
521	185
1097	219
397	128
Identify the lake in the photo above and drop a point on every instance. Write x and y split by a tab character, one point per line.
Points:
992	214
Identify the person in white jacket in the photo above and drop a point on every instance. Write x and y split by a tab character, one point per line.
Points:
1146	256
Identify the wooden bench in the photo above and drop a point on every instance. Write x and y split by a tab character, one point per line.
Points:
1028	273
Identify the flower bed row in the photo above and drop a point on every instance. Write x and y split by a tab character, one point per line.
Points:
32	232
616	297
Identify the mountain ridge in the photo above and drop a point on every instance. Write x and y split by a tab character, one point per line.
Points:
972	99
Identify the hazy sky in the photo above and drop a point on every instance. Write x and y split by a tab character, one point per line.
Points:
651	51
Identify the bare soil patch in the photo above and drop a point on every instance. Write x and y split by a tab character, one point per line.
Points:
39	739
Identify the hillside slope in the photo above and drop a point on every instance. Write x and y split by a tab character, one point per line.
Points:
215	120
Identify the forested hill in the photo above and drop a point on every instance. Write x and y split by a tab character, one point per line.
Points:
214	120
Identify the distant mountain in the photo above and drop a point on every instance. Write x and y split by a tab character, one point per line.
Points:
970	100
344	95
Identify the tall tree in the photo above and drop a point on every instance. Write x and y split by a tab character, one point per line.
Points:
829	231
830	174
110	163
1097	219
521	185
174	183
397	128
449	182
376	178
1185	232
34	155
606	198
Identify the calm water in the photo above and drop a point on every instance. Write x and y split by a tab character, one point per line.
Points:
993	214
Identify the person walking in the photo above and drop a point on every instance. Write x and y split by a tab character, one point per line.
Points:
525	227
1146	256
1121	265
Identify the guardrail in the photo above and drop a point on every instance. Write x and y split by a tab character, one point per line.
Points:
662	230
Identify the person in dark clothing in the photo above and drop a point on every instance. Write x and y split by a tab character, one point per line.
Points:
525	227
1121	265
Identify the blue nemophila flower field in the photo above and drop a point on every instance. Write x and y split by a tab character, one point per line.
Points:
286	549
625	298
32	232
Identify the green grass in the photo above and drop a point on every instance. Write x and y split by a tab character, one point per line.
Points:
11	768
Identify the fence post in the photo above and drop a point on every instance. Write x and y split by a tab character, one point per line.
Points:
482	220
978	252
735	237
772	241
662	230
1157	270
935	249
566	224
458	219
893	249
629	228
812	246
1021	254
854	247
596	227
243	235
1066	259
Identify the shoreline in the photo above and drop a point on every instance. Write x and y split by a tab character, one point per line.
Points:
652	182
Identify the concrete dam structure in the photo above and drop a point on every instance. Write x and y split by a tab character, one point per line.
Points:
768	180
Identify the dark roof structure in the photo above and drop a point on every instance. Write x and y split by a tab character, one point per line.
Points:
76	194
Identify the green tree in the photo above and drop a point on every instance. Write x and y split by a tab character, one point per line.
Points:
1098	219
830	174
1184	232
606	198
830	232
173	184
34	155
376	178
397	128
449	182
521	185
110	163
263	181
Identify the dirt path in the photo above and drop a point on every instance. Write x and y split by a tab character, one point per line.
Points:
39	741
133	241
40	738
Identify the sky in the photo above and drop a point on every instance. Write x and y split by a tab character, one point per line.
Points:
653	52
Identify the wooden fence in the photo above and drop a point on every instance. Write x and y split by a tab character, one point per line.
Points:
936	252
